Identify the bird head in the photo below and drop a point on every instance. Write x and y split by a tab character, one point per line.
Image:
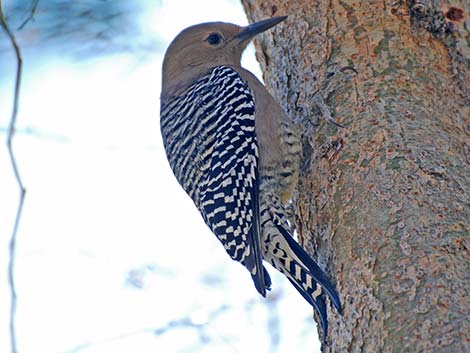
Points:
200	47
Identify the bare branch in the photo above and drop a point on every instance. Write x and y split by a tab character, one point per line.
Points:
34	6
11	131
184	322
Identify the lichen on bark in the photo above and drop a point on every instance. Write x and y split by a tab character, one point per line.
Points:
383	204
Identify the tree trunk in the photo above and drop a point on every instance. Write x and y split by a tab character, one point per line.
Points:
383	203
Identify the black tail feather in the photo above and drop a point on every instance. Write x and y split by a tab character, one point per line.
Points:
319	304
315	271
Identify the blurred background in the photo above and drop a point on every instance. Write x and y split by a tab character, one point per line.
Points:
111	253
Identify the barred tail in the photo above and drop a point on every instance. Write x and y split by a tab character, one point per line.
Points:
287	256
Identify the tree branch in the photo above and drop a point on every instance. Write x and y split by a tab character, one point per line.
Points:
34	7
11	131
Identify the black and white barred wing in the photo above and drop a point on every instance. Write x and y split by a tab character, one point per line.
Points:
230	194
209	137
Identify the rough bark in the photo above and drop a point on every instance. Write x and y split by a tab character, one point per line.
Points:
384	203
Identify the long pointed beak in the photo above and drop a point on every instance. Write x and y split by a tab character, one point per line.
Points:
258	27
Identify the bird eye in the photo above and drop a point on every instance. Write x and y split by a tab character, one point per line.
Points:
214	38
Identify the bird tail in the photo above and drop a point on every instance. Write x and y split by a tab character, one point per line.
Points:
288	257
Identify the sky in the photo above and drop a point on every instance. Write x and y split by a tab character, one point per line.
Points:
112	255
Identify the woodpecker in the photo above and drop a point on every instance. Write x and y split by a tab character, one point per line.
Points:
235	153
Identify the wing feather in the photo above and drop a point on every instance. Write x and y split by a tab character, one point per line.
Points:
230	194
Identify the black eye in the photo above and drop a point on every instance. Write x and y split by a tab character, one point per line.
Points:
214	38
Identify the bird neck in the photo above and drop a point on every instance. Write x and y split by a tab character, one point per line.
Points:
174	84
